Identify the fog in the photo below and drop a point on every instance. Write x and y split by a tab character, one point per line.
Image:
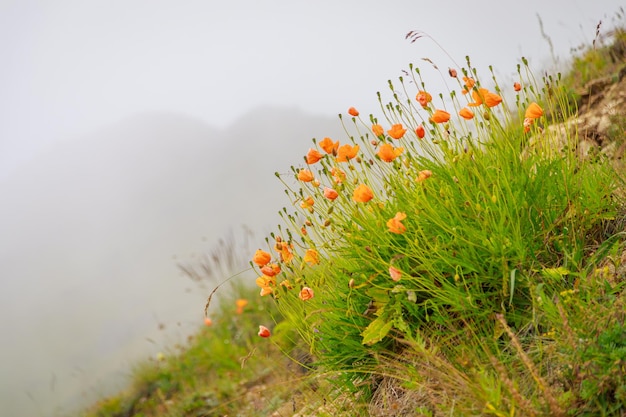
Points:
135	135
94	231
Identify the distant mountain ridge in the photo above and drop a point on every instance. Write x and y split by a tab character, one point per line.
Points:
89	228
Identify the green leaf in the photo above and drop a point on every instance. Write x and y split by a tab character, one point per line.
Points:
376	330
378	295
511	286
555	273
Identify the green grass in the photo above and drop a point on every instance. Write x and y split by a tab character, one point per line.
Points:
484	275
225	369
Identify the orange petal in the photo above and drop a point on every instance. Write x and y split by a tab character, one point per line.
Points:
346	152
362	194
311	257
395	224
469	82
388	153
492	99
396	131
534	111
261	258
420	132
395	274
423	98
440	116
423	175
271	270
307	202
313	156
306	294
264	331
328	145
466	113
305	175
378	130
330	193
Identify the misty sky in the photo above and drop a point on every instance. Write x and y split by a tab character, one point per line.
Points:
71	67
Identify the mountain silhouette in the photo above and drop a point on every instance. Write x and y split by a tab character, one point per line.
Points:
91	231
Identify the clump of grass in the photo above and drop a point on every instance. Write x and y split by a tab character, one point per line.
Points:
226	368
450	249
205	377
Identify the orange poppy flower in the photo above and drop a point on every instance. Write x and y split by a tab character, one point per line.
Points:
338	175
305	175
307	202
313	156
477	95
261	258
517	86
469	82
271	270
284	251
264	331
396	131
440	116
423	98
395	224
534	111
388	153
328	145
362	194
208	322
306	294
311	257
527	123
347	152
330	193
265	281
285	254
286	284
353	112
241	303
466	113
420	132
423	175
492	99
482	95
395	274
266	291
378	130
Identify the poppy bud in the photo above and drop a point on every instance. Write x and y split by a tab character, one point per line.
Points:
261	258
306	294
264	331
